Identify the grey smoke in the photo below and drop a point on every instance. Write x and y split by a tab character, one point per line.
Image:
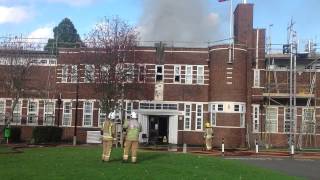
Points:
178	20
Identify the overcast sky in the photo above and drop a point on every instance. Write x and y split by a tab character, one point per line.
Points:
36	18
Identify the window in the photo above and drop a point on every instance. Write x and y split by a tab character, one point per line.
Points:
287	122
242	120
130	72
220	107
32	113
255	119
213	115
177	73
67	114
308	120
159	73
74	73
102	117
2	111
142	73
188	74
17	113
236	107
87	113
187	117
89	73
271	119
199	117
65	73
256	76
129	109
200	74
48	113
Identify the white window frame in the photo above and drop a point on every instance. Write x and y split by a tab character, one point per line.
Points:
101	116
2	111
256	78
48	114
255	118
90	114
89	74
64	73
159	73
129	108
142	73
187	117
286	119
213	117
275	120
188	74
177	74
218	107
200	76
242	120
33	114
18	113
67	115
199	117
74	74
304	128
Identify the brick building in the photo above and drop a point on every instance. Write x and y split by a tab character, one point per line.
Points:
183	88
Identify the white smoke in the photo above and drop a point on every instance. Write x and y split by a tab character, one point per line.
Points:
178	20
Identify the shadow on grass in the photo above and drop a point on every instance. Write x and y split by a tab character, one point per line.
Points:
149	156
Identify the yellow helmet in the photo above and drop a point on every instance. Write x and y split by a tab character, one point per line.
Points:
208	125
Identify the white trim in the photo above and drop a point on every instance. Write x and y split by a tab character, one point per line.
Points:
174	74
3	111
189	75
185	116
255	120
84	113
36	113
44	112
218	49
277	119
197	116
200	75
63	113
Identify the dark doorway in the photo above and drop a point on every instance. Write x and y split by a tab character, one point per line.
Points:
158	129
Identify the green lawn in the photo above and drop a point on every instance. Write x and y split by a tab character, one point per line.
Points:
84	163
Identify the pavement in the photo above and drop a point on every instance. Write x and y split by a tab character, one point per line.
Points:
305	168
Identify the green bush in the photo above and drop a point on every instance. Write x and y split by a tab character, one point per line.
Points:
15	134
47	134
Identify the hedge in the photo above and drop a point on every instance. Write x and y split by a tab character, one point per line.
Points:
15	134
47	134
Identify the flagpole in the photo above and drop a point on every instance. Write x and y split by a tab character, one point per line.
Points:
231	34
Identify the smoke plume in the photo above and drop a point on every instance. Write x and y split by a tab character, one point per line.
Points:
178	20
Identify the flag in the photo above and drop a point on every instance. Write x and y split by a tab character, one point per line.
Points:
222	0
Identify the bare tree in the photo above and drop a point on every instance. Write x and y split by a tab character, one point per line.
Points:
16	68
113	42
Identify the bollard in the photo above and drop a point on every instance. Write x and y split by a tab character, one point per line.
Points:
184	148
222	147
257	147
292	149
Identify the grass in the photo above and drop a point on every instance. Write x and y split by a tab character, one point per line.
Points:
84	163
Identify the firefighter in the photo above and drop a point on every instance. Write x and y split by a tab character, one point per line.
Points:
208	135
132	138
108	130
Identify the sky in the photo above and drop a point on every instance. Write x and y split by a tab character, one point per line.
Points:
36	18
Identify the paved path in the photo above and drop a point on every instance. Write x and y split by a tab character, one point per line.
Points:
309	169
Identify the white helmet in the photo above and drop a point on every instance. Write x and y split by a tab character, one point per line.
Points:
112	115
133	115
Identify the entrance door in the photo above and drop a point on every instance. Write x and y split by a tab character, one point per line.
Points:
158	129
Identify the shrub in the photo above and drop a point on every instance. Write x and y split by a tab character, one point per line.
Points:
15	134
47	134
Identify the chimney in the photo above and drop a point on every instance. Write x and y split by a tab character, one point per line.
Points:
243	24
